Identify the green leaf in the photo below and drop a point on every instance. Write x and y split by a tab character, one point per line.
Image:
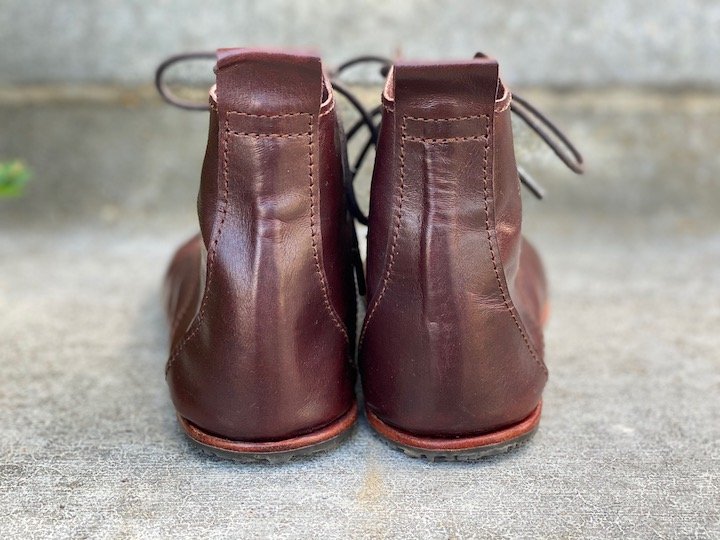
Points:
13	177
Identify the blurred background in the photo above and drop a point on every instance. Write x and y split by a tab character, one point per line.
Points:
97	186
637	83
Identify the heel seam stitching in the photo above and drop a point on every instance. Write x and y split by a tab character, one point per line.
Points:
396	234
505	296
211	253
313	235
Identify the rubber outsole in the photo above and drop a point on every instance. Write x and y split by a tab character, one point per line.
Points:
322	440
458	448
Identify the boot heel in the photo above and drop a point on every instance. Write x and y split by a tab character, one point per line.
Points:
322	440
458	448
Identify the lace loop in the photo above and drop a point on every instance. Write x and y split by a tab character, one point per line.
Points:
163	89
385	63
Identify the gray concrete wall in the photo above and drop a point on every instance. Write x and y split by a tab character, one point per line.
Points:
554	42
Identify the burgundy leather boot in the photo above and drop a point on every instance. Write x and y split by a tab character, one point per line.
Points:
451	351
261	303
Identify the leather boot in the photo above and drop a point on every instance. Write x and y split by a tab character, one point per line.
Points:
261	302
451	350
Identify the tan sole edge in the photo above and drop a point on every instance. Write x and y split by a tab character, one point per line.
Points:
459	448
324	439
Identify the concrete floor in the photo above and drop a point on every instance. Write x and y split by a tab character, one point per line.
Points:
629	445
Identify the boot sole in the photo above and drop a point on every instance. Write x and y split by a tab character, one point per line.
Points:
322	440
458	448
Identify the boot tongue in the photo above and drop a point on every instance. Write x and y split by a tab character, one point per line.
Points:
253	81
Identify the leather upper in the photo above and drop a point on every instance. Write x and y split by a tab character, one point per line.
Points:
452	342
262	302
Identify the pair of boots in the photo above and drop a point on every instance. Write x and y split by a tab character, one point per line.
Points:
262	302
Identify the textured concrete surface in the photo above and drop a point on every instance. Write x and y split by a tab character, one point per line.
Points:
556	42
629	445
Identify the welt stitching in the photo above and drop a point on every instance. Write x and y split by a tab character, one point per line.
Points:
313	235
396	234
505	296
211	254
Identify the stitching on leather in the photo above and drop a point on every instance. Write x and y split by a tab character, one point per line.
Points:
313	235
505	297
287	115
211	255
449	119
270	135
396	234
445	139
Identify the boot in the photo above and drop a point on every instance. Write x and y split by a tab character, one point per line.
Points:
451	350
261	302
